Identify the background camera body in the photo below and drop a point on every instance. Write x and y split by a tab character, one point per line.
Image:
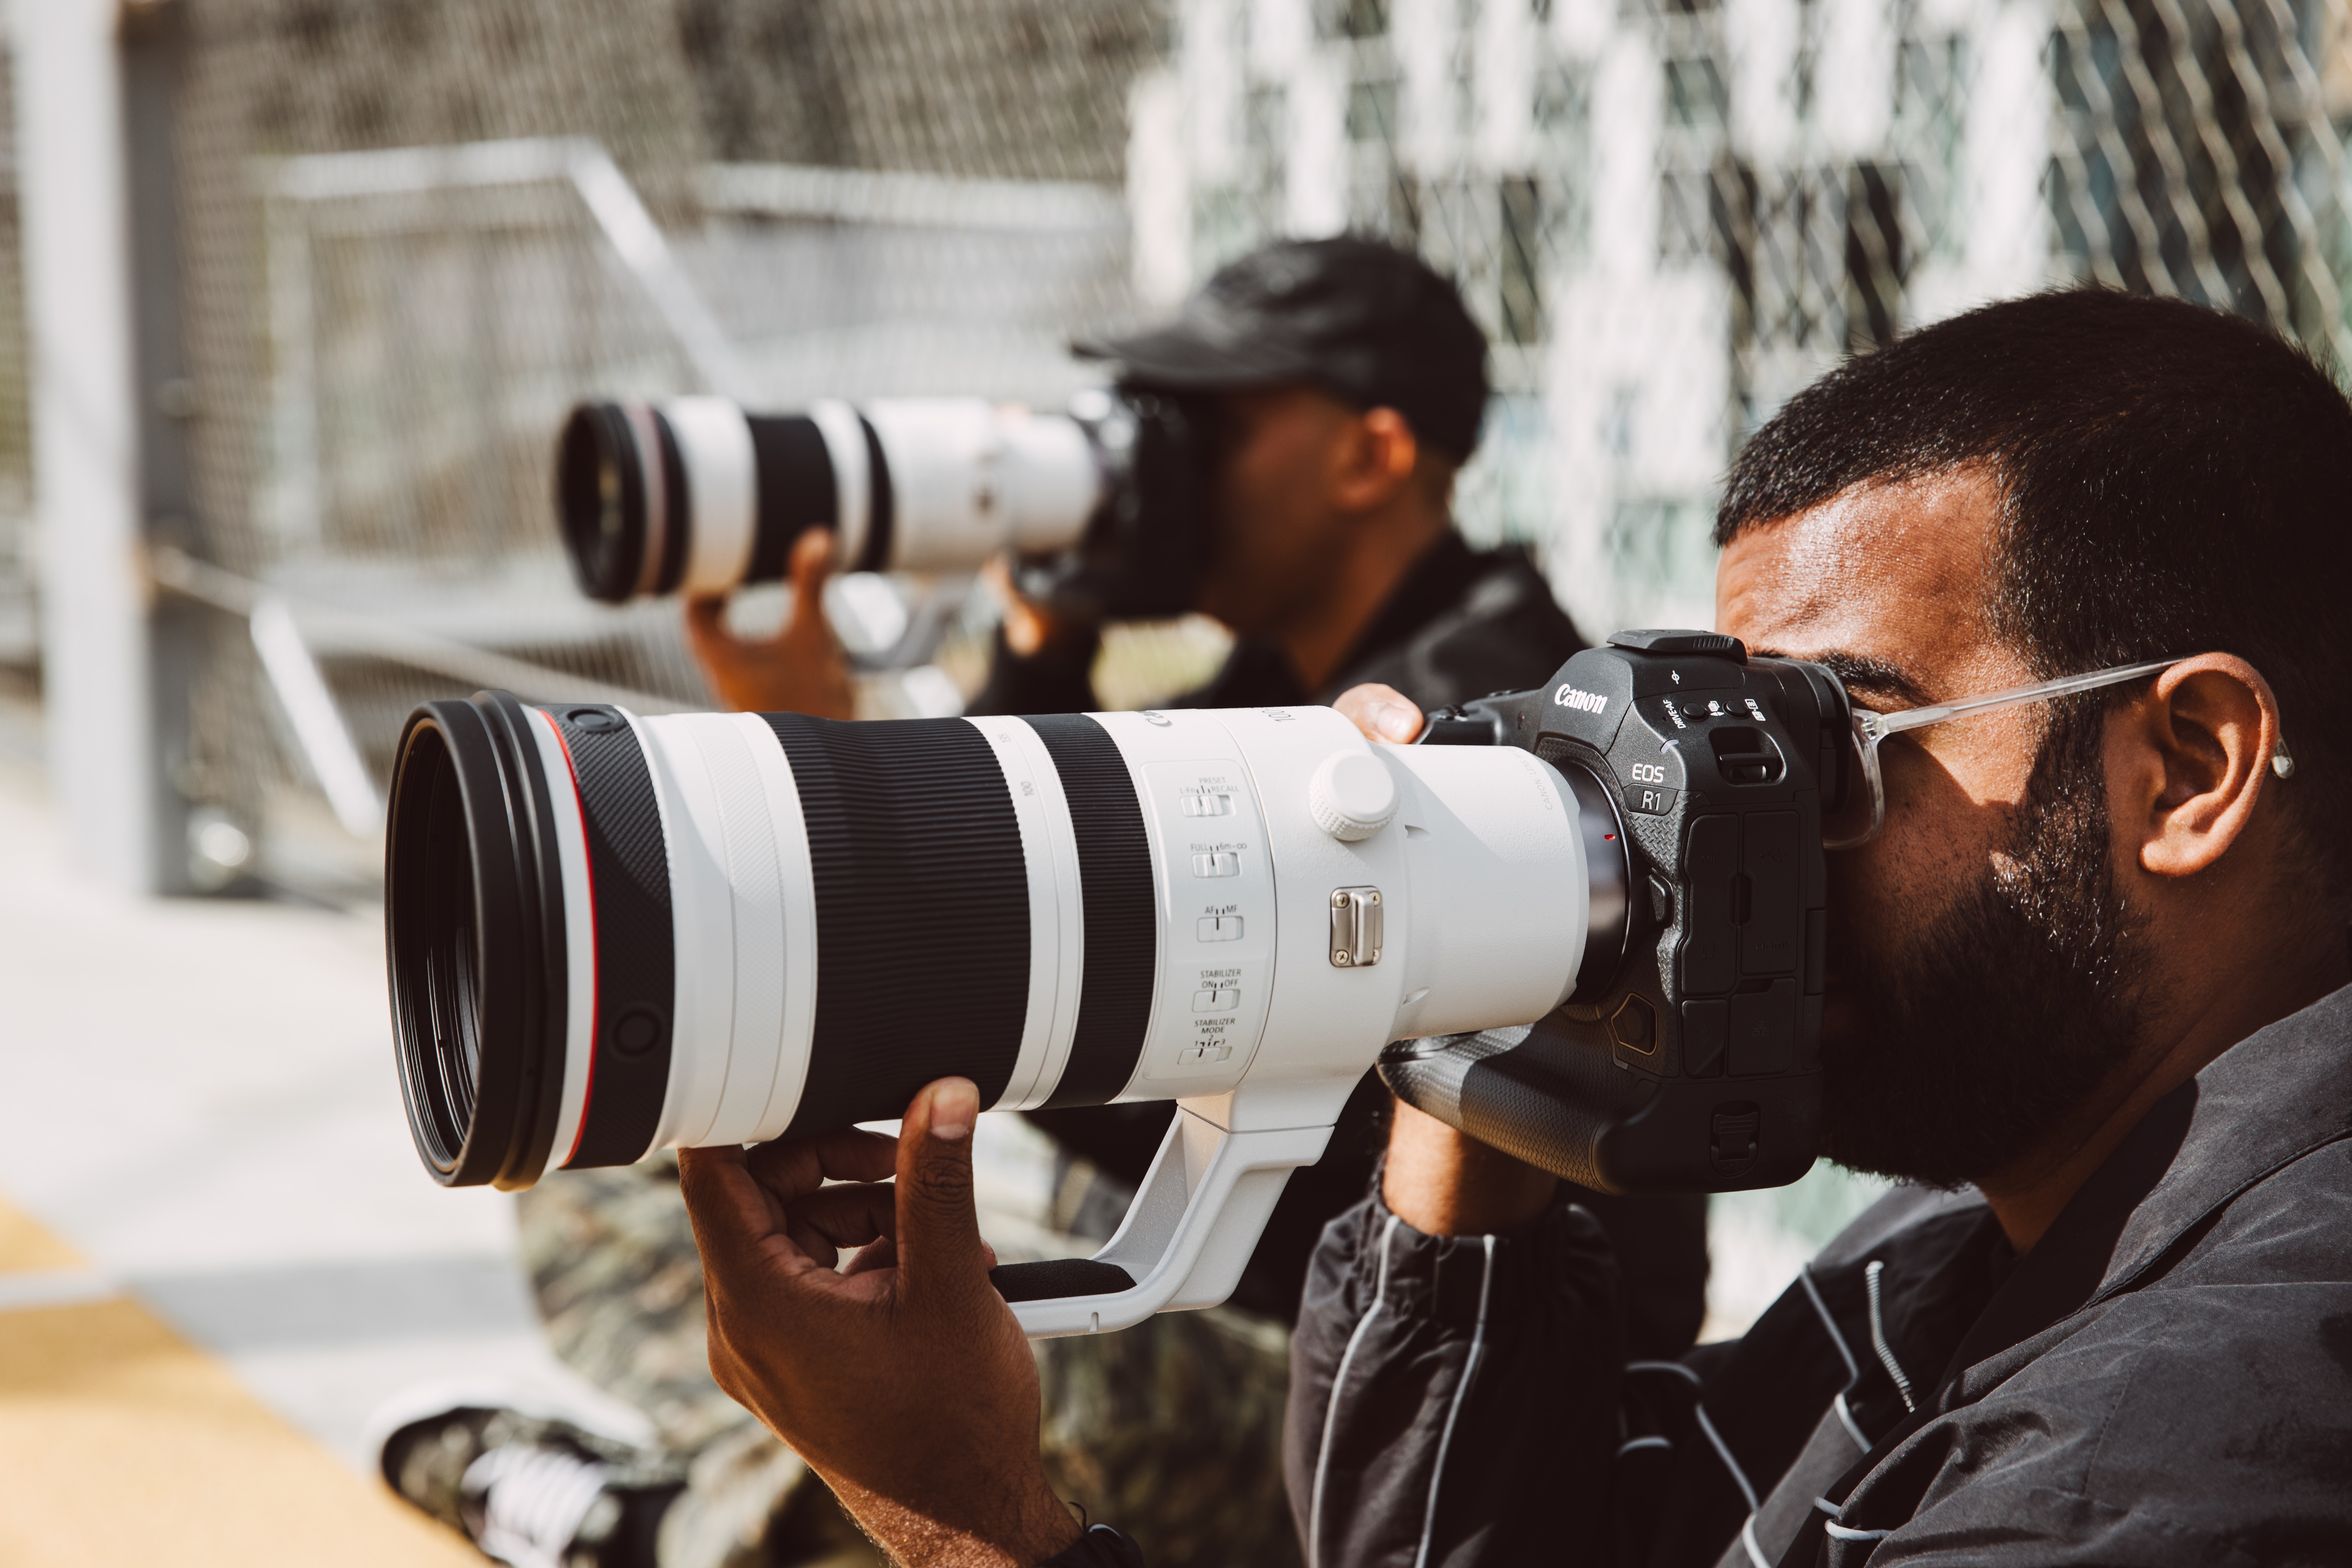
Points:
1688	1059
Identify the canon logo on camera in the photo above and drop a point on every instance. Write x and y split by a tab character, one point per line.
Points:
1582	701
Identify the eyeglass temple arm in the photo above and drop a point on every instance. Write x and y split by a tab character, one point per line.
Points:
1881	725
2039	691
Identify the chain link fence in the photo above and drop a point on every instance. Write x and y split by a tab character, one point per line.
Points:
19	628
413	233
1669	217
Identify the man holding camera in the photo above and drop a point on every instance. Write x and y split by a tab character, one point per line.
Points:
1332	389
2088	989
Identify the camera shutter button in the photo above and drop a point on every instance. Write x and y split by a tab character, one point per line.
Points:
1351	795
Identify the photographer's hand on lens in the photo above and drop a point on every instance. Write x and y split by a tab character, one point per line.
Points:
1030	629
800	669
903	1379
1382	713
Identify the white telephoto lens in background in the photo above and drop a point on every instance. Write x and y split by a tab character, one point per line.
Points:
699	495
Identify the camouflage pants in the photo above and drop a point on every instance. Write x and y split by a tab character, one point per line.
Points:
1172	1429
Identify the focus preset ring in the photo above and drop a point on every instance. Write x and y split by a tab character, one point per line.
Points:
637	961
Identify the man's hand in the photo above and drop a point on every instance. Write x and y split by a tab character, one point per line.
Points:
1382	713
1439	1181
1030	629
903	1379
800	669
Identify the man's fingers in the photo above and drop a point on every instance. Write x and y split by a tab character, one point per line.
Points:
852	1215
811	564
706	622
881	1254
1382	713
732	1215
792	1167
939	1232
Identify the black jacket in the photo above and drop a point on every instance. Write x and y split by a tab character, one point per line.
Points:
2165	1378
1460	625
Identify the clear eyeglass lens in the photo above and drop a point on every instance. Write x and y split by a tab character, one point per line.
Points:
1857	820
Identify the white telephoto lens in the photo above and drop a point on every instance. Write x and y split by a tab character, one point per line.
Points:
970	480
727	929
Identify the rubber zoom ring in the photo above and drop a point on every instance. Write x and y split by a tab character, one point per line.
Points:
636	950
922	914
1122	922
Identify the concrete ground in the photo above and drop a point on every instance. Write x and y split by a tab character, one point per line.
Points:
218	1251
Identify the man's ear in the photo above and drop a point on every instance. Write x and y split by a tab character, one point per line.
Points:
1376	460
2197	758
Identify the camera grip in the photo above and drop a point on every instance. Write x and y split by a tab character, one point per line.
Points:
1186	1238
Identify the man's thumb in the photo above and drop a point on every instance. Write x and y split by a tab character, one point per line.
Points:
939	1230
811	564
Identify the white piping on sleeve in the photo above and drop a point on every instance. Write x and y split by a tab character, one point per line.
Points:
1635	1444
1820	1308
1339	1384
1853	1368
1461	1392
1748	1493
1878	1335
1675	1367
1843	1532
1723	1452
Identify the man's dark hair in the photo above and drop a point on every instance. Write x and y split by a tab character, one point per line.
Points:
2174	480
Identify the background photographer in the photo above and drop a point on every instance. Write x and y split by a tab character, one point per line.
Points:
2087	987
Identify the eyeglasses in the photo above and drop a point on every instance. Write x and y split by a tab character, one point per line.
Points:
1864	812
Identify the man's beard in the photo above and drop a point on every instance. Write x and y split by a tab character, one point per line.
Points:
1987	1029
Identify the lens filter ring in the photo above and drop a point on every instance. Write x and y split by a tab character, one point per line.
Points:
474	933
600	500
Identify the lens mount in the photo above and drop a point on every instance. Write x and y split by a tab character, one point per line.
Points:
1609	882
475	941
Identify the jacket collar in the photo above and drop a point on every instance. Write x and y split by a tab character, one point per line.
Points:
2275	1096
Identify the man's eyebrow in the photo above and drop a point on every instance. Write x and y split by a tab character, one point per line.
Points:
1863	672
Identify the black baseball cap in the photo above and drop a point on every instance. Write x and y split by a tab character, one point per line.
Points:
1372	325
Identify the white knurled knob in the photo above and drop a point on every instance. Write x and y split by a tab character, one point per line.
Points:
1351	795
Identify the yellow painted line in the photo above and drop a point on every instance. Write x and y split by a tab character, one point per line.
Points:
121	1444
124	1445
25	1246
